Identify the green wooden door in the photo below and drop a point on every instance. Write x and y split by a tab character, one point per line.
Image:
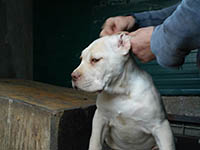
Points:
64	28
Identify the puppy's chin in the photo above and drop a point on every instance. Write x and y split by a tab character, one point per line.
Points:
99	90
91	89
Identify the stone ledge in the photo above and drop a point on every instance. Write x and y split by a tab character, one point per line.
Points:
188	106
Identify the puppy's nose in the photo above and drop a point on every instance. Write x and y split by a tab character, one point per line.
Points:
75	75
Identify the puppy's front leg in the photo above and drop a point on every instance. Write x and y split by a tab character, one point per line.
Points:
163	136
98	132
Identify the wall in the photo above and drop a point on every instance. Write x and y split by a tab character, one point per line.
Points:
64	28
16	39
61	32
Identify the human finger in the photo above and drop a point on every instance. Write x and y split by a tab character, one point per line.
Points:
108	27
105	32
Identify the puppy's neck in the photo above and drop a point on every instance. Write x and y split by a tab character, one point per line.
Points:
121	84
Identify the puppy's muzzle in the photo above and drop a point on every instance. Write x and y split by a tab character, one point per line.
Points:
75	76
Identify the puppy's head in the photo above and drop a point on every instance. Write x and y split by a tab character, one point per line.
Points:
101	61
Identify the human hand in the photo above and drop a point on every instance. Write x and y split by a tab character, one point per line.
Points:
116	24
141	44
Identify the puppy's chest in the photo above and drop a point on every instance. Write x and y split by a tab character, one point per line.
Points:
119	111
124	118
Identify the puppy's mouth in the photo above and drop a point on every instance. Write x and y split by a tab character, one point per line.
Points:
73	85
76	87
99	91
87	89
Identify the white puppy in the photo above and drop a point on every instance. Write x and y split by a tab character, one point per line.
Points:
130	114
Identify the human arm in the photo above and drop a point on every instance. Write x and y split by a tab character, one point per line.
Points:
178	35
171	41
153	18
135	20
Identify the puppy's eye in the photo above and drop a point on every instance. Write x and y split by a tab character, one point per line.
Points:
95	60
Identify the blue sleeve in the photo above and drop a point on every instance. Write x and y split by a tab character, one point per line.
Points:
153	18
178	35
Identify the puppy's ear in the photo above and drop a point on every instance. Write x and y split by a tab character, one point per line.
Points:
124	44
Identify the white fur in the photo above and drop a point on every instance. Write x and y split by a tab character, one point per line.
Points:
129	113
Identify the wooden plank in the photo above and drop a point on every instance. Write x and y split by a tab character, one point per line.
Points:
3	123
37	116
23	127
47	96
